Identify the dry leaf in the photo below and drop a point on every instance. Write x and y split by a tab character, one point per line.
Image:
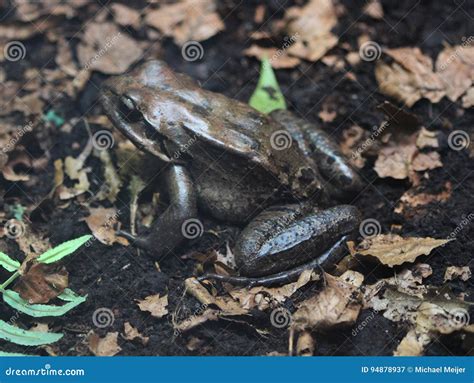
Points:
413	344
455	67
468	99
412	199
106	49
311	26
278	58
155	304
106	346
305	344
186	20
338	304
101	222
392	249
125	16
453	272
374	9
42	282
427	139
131	333
401	161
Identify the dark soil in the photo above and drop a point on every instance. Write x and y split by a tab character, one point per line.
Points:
114	277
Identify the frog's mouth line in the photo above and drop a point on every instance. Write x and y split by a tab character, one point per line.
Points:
132	130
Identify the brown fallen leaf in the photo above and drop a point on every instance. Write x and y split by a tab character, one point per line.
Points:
154	304
106	49
338	304
106	346
101	222
186	20
454	272
468	99
125	16
311	25
374	9
403	160
42	282
279	58
131	333
413	344
455	68
392	249
427	139
412	199
305	344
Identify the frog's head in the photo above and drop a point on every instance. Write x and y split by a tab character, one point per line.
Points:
137	104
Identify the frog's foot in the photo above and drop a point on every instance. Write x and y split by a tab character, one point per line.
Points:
325	260
284	237
176	224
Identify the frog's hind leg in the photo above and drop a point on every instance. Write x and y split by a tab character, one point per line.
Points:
282	241
177	222
325	260
316	143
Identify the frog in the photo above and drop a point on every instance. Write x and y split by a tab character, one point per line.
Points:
281	179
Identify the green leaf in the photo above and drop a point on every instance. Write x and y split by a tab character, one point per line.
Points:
3	353
267	97
65	248
13	299
8	263
70	296
26	338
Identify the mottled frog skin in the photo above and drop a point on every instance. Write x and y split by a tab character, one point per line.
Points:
277	176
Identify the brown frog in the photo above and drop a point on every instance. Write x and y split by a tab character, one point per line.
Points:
276	174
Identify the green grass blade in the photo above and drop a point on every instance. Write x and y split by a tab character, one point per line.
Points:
26	338
13	299
7	263
267	97
69	296
62	250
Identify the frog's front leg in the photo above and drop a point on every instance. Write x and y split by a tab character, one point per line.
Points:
283	241
316	143
167	231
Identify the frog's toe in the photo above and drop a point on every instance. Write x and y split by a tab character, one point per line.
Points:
281	238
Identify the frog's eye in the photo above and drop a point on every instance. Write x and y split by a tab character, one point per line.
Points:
129	110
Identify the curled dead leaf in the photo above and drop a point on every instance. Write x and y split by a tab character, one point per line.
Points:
392	249
154	304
